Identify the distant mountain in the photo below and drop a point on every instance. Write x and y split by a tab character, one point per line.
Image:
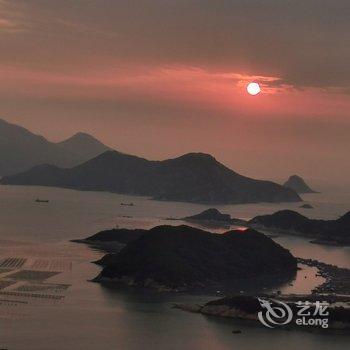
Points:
84	146
193	177
20	149
185	258
324	231
298	184
211	214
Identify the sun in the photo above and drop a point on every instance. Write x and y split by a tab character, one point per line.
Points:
253	89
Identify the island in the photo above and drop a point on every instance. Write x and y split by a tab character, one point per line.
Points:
193	177
213	217
298	184
244	309
331	232
184	258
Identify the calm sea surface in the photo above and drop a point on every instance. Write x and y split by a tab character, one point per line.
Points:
66	311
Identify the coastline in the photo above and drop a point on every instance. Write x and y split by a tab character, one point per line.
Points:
337	279
245	310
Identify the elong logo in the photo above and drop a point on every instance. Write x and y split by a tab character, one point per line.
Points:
277	313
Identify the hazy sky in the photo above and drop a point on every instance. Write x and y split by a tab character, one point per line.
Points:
165	77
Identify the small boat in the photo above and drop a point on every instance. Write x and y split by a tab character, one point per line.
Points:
41	200
127	204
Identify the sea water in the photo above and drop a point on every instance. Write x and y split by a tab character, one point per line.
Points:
74	313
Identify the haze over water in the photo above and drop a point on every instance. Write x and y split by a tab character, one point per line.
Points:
92	316
159	79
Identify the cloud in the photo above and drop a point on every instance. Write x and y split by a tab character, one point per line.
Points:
163	77
304	43
11	20
170	82
195	89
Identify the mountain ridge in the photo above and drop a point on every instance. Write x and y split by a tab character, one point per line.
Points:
21	149
335	232
192	177
84	145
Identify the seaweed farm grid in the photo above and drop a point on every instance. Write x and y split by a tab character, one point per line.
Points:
24	281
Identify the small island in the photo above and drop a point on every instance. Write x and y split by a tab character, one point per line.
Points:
298	184
184	258
212	217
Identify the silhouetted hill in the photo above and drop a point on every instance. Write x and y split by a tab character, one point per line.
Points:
325	231
210	214
183	257
298	184
20	149
84	146
193	177
213	215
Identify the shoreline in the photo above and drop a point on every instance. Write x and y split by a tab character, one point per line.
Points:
312	238
337	278
246	309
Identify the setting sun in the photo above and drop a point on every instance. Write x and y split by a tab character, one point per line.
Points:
253	89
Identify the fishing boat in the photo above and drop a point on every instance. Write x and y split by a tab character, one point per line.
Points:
41	200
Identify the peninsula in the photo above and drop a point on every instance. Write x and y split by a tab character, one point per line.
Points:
331	232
